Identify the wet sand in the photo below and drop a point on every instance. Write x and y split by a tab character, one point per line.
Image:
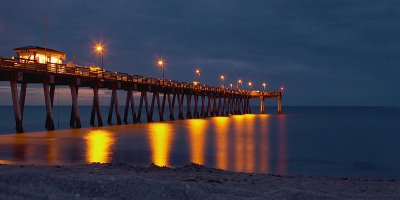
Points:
121	181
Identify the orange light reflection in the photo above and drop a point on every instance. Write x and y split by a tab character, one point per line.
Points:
264	143
197	140
249	142
239	145
221	141
161	137
51	148
99	145
20	147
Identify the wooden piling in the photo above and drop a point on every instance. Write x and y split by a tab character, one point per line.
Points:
129	102
52	91
49	110
180	101
189	110
279	104
219	106
75	121
196	109
96	108
153	99
206	114
171	106
22	98
203	99
114	105
143	98
16	105
161	112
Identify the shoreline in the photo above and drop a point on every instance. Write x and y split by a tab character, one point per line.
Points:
192	181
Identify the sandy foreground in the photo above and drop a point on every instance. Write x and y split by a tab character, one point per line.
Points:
120	181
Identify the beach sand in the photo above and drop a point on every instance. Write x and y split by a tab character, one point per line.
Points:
121	181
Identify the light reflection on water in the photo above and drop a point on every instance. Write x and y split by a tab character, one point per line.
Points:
329	141
239	143
264	144
197	139
221	141
161	137
99	144
238	136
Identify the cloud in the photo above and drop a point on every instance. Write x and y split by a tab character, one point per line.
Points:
315	48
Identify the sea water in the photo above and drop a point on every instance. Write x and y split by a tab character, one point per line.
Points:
318	141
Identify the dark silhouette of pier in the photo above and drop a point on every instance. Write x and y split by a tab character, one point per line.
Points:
201	100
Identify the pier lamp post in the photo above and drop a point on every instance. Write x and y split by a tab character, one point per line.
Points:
239	83
250	85
161	63
282	89
198	75
231	86
100	49
222	78
264	85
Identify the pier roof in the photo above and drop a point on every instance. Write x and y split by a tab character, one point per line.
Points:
39	48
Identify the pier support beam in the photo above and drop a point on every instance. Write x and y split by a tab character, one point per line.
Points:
189	110
52	90
214	106
171	104
75	120
49	109
262	106
130	101
143	98
22	98
203	112
180	98
279	104
114	104
208	110
223	106
150	116
219	113
155	99
196	109
161	112
227	99
96	108
16	104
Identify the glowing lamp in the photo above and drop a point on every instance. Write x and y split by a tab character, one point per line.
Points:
99	48
160	62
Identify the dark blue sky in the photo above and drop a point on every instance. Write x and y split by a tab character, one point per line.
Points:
338	53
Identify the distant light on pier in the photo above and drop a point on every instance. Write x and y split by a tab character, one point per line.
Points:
100	49
161	63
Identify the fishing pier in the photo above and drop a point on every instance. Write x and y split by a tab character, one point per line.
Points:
201	101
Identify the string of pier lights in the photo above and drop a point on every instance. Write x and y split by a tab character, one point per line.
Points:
222	79
161	63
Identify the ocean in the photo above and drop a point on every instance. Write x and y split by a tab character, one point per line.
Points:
309	141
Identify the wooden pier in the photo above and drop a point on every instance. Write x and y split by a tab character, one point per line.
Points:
207	101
